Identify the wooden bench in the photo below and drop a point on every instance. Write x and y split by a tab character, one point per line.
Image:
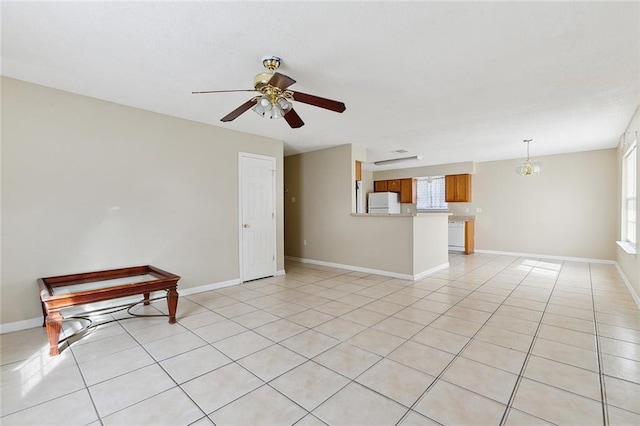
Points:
61	292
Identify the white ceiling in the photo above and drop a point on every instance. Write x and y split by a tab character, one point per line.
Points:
451	81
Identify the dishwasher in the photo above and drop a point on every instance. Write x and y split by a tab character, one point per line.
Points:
456	236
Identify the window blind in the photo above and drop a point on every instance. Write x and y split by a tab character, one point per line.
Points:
430	194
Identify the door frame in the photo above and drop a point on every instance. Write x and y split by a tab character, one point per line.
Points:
241	156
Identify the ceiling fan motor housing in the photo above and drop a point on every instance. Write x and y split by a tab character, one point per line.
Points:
261	80
271	63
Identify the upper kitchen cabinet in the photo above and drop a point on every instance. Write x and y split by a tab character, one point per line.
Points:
408	191
380	186
458	188
393	185
405	187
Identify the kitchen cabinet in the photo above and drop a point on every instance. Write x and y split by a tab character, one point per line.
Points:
380	186
407	188
469	241
457	188
393	185
408	191
358	170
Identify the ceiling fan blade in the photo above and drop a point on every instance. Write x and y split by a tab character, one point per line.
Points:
293	119
223	91
238	111
319	102
281	81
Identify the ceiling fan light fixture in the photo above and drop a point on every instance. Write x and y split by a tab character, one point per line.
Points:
528	167
284	104
275	100
272	108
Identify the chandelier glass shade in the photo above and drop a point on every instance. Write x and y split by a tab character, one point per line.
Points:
528	167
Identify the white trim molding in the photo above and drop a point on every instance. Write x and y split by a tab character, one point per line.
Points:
208	287
627	247
546	256
370	270
21	325
632	290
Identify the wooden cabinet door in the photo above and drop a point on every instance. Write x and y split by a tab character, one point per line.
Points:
469	239
408	190
458	188
451	189
358	170
393	185
380	186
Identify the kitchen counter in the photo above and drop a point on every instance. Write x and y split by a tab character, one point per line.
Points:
401	214
458	218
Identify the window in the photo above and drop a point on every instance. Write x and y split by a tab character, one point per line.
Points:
629	196
431	194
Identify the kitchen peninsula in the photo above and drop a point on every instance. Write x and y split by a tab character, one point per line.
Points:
410	245
323	228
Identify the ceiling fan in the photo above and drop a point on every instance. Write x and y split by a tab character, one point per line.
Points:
275	100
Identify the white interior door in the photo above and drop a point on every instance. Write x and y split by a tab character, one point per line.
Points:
257	216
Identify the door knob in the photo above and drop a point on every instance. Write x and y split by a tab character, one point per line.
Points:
245	225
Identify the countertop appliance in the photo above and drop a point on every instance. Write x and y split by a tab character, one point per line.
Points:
384	203
456	236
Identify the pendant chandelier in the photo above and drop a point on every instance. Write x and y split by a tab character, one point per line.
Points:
528	167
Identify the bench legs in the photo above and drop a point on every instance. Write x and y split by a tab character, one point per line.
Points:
172	304
53	321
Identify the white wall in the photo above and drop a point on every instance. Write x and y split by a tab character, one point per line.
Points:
90	185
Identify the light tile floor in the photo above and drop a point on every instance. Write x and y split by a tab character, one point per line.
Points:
492	340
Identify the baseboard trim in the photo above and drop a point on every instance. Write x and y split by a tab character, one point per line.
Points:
369	270
428	272
20	325
280	273
207	287
546	256
628	284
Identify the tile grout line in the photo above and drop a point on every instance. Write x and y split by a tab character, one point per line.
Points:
156	362
86	386
458	355
603	393
516	386
267	383
479	288
351	381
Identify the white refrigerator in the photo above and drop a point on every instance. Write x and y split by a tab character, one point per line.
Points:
384	203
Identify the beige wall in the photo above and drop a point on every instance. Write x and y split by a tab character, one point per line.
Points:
567	210
435	170
89	185
430	242
318	207
629	263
